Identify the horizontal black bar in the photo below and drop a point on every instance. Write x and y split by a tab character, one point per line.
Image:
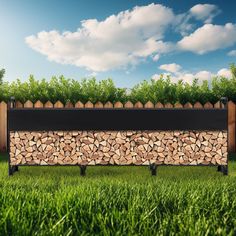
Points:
117	119
130	165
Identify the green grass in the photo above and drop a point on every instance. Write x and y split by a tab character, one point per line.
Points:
117	201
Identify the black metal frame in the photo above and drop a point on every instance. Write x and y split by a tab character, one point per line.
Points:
11	169
221	114
164	119
224	168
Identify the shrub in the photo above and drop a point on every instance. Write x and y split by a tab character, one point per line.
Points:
162	90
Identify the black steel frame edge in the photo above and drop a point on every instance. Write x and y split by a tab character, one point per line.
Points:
117	119
8	140
58	165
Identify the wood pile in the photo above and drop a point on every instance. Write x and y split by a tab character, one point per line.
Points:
118	148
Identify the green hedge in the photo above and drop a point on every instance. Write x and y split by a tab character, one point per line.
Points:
162	90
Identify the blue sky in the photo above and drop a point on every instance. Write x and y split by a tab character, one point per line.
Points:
128	41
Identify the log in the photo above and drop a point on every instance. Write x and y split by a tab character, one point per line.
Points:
118	147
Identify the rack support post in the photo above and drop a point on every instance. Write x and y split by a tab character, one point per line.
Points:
153	168
82	170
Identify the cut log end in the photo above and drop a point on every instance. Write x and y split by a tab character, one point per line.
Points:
118	148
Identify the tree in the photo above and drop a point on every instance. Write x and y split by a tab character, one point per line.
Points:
2	72
233	70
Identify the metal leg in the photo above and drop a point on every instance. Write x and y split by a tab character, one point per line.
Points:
153	168
10	170
225	170
82	170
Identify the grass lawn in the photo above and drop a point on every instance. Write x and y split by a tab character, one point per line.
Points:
117	201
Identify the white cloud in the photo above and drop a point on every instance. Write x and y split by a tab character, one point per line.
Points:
204	75
93	74
118	41
156	57
224	73
204	12
124	40
182	24
164	47
188	77
173	67
175	78
209	38
232	53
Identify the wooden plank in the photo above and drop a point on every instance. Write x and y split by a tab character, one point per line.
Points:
138	105
48	104
197	105
19	104
3	126
88	105
208	105
69	105
188	105
38	104
58	104
231	126
159	105
28	104
98	105
178	105
118	105
79	104
168	105
217	105
149	104
129	104
108	105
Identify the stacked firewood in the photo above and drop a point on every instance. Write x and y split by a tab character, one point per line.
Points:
118	148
